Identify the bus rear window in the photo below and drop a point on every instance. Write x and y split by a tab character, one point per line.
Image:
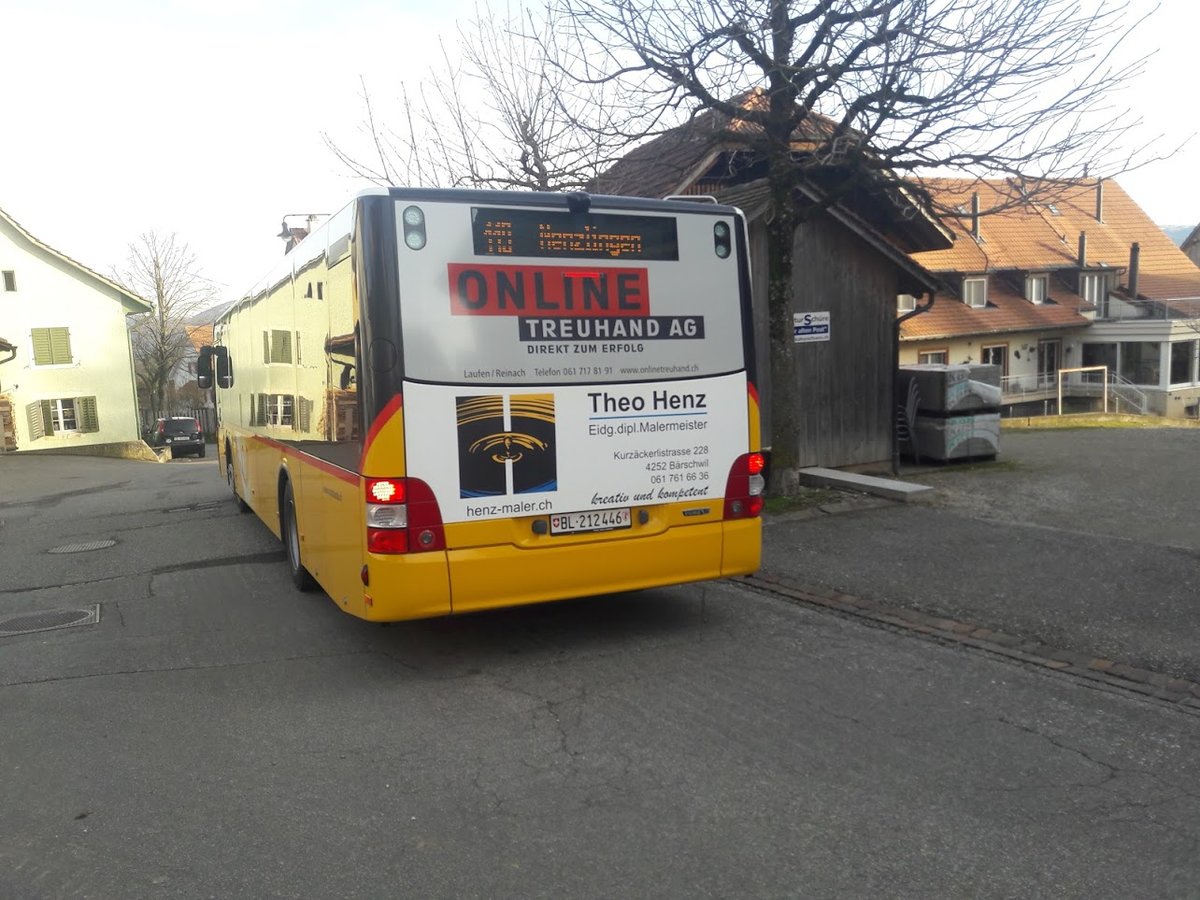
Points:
548	296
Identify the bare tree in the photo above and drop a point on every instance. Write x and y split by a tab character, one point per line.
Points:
165	271
867	95
498	111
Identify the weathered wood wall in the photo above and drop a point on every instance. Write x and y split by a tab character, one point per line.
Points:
843	388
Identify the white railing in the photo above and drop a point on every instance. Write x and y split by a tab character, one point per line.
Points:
1015	385
1119	394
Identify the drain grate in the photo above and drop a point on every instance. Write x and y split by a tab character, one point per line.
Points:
83	547
48	620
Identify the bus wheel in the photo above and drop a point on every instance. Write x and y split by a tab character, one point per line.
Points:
238	501
291	541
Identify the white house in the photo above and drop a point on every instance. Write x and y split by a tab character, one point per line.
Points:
1077	287
67	380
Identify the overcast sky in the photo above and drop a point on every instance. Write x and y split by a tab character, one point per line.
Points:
204	117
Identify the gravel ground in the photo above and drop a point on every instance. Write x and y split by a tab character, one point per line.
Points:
1082	539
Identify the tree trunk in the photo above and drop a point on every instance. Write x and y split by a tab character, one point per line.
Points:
784	438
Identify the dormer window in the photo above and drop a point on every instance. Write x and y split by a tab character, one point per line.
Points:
1035	288
905	302
974	292
1092	287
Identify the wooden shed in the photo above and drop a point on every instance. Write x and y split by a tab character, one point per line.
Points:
851	263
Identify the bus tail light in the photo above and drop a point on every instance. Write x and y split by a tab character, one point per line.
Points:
402	517
745	486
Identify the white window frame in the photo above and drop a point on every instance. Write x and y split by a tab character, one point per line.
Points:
925	357
1003	348
280	410
968	284
1037	288
62	410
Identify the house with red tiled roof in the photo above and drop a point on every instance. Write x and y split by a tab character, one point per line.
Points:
1074	278
851	259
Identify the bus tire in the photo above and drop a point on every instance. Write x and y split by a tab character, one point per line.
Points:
241	504
291	540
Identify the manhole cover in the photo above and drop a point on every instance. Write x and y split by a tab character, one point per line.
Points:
48	620
83	547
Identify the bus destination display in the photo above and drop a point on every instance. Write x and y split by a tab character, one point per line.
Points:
548	233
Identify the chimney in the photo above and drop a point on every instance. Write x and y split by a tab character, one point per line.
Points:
1135	255
1083	249
1099	199
975	216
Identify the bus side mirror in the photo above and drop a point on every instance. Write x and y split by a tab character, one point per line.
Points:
224	368
204	369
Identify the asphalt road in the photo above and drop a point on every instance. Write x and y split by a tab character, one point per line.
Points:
218	735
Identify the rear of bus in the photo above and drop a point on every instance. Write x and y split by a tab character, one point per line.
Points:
562	405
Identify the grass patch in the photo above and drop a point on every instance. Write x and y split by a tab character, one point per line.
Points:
1092	420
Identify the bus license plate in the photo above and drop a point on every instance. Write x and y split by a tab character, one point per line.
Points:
595	520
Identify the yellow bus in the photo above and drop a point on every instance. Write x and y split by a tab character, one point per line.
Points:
444	401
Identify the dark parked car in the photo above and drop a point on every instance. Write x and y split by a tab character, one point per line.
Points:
181	433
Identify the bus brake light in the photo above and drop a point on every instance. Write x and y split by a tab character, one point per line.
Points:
385	490
744	487
403	516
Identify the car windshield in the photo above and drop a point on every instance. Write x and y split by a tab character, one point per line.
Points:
181	426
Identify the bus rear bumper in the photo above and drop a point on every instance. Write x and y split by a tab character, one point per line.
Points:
676	556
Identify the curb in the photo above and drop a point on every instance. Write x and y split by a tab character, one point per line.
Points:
1182	693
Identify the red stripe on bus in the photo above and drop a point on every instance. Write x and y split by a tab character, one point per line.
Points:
309	460
753	391
385	416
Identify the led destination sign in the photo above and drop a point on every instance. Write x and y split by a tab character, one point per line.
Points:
548	233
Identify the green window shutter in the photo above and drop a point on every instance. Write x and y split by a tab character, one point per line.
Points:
262	410
85	409
266	346
281	346
60	345
48	416
303	414
37	424
42	354
51	346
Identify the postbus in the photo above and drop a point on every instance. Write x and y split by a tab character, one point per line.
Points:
444	401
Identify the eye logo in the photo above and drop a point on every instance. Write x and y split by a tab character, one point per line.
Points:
506	445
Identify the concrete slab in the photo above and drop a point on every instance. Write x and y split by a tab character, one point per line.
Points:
817	476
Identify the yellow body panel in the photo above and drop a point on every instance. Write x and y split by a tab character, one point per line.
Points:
490	577
332	524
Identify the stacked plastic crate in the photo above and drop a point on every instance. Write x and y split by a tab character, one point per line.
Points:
957	410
